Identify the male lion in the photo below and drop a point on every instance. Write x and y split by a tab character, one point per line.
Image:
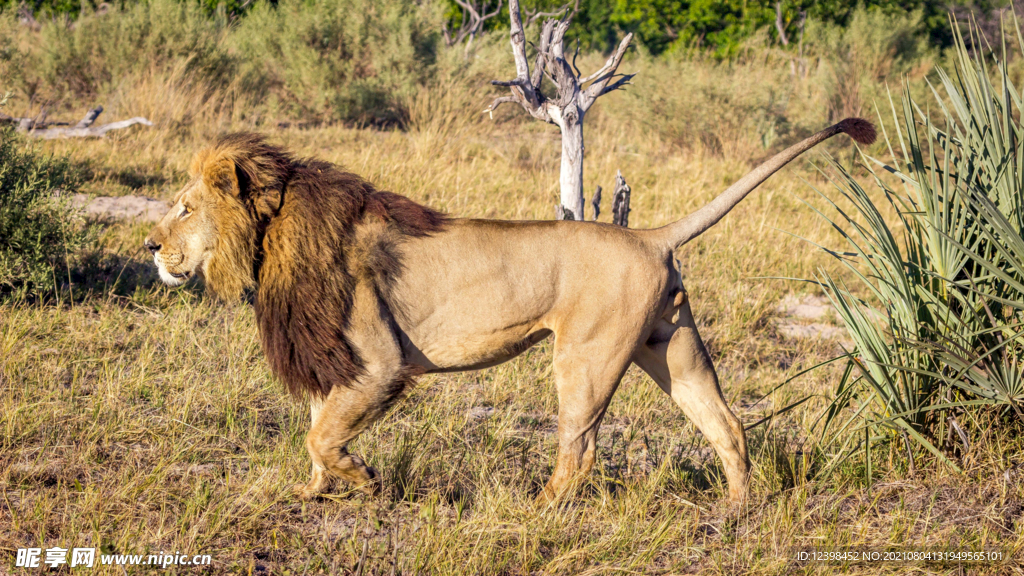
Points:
356	291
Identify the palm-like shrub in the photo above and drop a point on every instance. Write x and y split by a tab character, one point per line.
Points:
936	309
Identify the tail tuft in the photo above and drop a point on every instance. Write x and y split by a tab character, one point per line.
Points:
862	131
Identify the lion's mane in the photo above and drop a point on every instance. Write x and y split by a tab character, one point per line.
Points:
293	238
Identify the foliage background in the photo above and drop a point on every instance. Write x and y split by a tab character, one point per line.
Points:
659	25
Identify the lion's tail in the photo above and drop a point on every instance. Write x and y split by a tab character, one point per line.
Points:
693	225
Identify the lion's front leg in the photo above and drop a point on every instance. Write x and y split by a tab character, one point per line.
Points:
343	415
320	480
351	407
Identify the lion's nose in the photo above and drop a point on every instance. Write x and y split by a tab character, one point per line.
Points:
153	247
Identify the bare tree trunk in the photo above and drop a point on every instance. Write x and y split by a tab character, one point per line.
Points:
779	25
570	179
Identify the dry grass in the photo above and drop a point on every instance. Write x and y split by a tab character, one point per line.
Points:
144	419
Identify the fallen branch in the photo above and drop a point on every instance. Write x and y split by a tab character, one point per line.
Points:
39	127
93	132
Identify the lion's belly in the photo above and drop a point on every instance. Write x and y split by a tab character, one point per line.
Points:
473	353
468	332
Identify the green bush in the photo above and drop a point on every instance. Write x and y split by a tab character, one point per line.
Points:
937	334
353	60
100	50
871	48
356	61
39	229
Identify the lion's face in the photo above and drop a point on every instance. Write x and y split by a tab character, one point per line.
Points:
183	242
211	230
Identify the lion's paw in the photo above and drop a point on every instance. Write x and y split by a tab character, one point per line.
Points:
302	492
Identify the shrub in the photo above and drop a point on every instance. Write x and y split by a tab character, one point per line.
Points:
357	61
872	48
937	339
353	60
673	94
38	227
78	61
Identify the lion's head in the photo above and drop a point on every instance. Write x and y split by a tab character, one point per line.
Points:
211	228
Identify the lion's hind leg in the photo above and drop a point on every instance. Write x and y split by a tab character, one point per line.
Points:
676	359
587	373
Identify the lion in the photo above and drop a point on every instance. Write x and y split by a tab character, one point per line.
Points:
357	291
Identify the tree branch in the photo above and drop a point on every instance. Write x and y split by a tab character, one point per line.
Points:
613	61
602	76
474	14
508	83
524	91
487	15
498	102
574	55
518	39
558	39
617	84
90	117
542	53
532	17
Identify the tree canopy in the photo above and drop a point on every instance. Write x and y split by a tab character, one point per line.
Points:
721	25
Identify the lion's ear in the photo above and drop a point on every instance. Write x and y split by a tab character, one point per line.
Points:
219	172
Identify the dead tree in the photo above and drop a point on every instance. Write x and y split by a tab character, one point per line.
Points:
474	14
567	107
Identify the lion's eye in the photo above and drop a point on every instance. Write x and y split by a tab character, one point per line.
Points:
185	211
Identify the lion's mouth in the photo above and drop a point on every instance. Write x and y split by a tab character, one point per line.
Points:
180	275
